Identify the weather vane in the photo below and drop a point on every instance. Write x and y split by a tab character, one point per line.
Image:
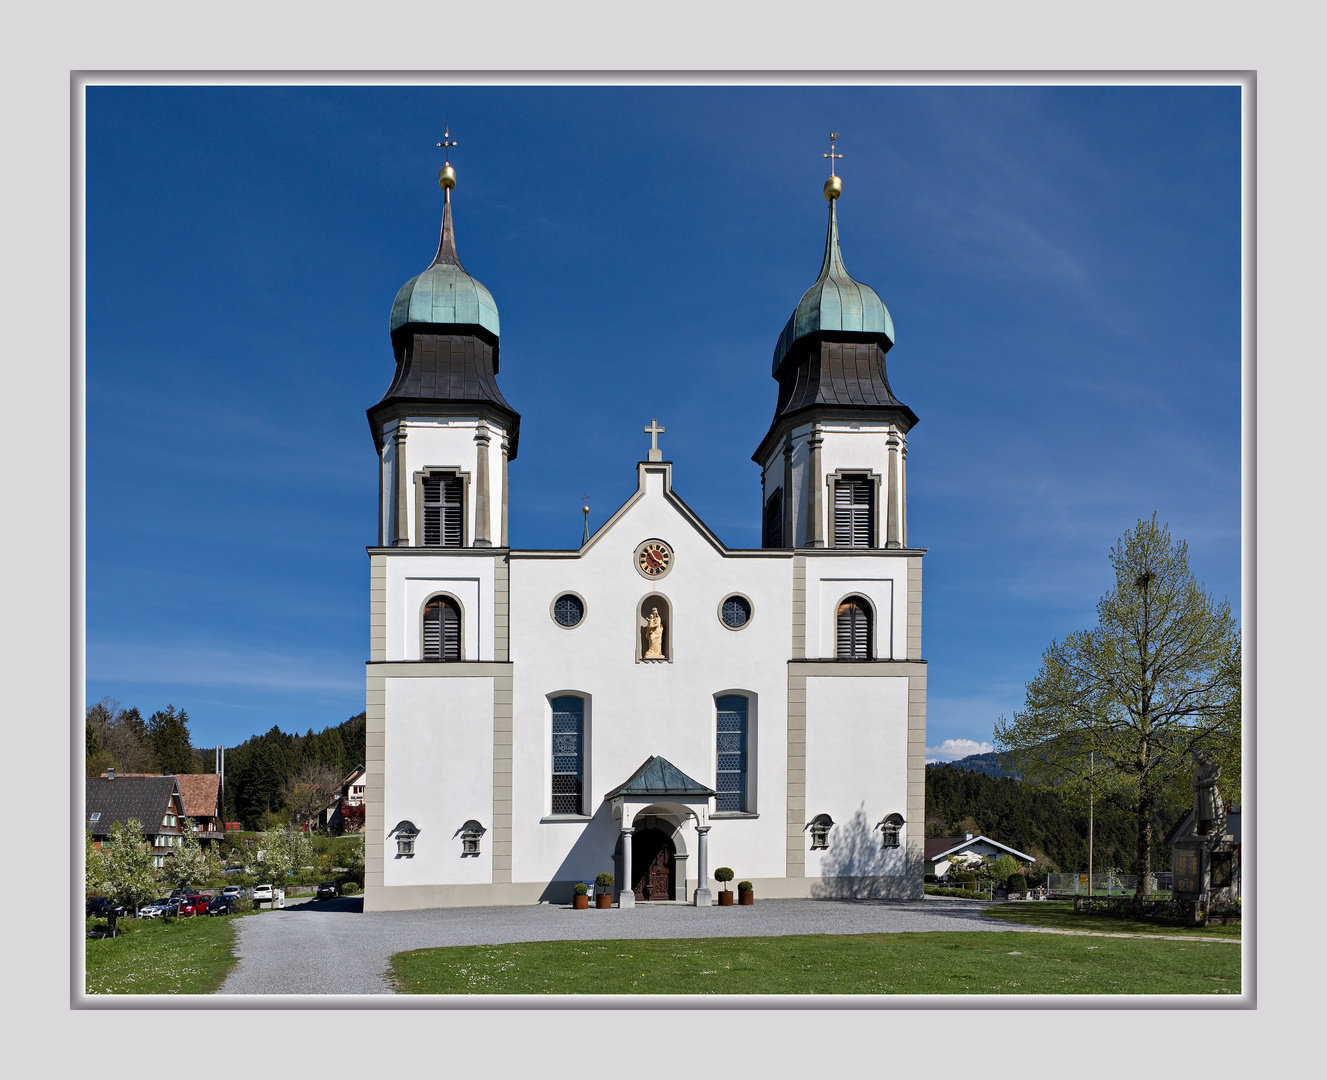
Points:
833	138
447	175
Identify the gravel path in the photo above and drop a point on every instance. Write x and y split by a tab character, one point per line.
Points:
334	948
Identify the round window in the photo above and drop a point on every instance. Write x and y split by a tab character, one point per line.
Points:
736	612
568	610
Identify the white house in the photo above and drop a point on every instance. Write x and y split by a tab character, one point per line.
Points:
654	703
942	852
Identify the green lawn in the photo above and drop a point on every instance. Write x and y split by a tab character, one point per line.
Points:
1060	914
155	956
961	962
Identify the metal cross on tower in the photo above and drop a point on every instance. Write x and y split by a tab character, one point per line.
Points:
446	146
833	138
654	431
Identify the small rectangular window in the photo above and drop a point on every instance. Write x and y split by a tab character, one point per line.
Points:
773	523
568	754
854	516
730	780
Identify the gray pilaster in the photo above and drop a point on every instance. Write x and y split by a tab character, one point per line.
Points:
914	607
703	897
483	517
799	608
378	607
626	896
402	537
505	448
893	534
375	827
814	523
789	539
915	814
903	491
501	608
796	814
680	876
502	773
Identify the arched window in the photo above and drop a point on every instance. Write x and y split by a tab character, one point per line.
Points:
442	629
854	630
731	757
568	754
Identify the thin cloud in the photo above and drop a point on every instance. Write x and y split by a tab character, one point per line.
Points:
953	749
202	665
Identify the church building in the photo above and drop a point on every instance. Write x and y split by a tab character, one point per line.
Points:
653	704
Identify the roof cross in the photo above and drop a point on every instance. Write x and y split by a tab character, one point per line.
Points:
446	146
833	138
654	431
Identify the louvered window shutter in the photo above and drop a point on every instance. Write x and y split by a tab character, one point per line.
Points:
442	630
853	517
442	511
854	630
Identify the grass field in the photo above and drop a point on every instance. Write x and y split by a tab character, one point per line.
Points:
156	956
1060	915
965	962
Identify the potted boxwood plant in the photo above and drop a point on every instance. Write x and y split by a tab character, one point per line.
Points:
581	896
605	898
725	875
745	893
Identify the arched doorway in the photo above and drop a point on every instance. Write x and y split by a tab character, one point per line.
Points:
652	864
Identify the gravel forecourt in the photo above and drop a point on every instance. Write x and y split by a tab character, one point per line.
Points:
334	948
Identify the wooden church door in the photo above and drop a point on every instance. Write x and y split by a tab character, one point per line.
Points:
652	861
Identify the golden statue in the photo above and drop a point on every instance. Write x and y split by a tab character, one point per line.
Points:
654	636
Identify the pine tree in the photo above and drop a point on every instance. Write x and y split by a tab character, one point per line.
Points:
168	732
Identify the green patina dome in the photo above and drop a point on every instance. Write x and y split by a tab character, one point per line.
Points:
445	294
834	302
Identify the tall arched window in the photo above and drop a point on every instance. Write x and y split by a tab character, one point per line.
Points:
442	629
854	629
731	762
568	755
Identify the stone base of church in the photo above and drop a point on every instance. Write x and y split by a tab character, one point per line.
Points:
412	897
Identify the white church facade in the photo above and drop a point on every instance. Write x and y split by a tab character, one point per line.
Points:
653	704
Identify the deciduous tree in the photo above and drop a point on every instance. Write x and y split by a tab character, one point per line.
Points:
1119	708
187	867
123	869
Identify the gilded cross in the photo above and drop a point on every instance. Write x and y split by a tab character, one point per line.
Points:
833	138
654	431
446	146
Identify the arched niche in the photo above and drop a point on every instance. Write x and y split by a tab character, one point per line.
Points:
660	602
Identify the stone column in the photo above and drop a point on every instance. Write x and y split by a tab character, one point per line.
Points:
814	535
505	448
789	523
402	533
892	525
703	897
903	493
626	896
483	518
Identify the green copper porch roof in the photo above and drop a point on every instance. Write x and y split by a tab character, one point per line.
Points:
659	777
445	294
834	302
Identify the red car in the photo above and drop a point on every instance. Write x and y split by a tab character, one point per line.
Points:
194	905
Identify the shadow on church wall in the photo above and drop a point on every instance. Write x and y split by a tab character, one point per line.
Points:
590	855
857	865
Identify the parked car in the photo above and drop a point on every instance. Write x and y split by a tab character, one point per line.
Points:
222	905
232	891
99	907
167	905
194	904
262	892
328	890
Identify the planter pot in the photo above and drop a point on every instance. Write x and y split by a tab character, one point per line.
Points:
746	897
603	900
580	903
725	898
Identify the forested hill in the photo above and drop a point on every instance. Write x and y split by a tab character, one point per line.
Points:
261	770
991	764
1033	820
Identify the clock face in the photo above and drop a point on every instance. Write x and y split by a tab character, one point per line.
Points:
653	558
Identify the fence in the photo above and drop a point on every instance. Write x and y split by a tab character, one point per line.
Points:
1105	884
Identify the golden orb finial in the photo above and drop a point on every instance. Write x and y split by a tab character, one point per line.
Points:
447	175
833	186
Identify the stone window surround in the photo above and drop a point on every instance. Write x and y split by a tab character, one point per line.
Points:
873	626
831	482
751	608
444	470
585	609
752	737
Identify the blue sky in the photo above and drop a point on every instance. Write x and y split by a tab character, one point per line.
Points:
1061	264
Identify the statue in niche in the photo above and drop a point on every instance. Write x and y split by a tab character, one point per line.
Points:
654	631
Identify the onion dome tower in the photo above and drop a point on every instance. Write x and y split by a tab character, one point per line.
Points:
833	459
444	403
